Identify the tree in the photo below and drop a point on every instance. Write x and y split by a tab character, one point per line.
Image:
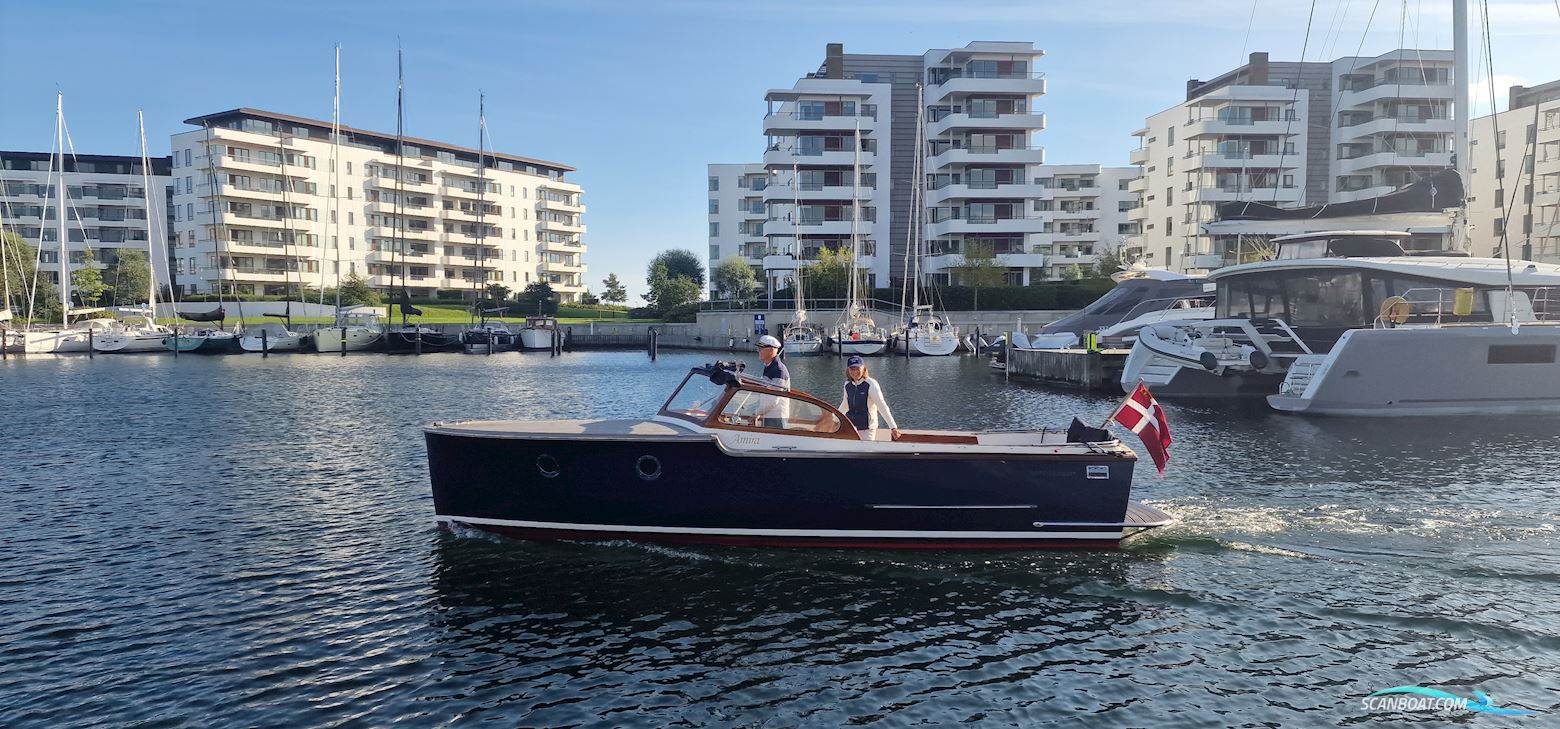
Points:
1072	273
679	264
1115	261
20	268
589	299
88	280
829	278
734	278
614	291
498	292
668	292
978	268
129	279
355	290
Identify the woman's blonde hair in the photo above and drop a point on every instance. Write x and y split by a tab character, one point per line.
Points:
863	371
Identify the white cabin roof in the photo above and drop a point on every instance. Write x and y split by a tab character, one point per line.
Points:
1471	271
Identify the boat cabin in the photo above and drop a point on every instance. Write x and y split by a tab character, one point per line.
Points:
541	322
1323	284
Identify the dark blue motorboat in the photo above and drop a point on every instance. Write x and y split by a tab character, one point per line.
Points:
732	460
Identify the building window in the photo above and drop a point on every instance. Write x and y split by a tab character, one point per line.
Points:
714	230
1167	225
186	158
1500	226
1289	147
714	183
1500	139
1169	196
1289	180
1170	136
714	206
1500	169
714	252
1500	197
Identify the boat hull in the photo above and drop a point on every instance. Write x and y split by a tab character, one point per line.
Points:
937	345
289	343
405	342
69	341
692	490
487	341
863	347
123	343
536	339
201	344
358	339
1454	370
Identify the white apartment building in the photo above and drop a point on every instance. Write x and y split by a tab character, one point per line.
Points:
1286	134
737	214
105	209
1515	159
1076	212
986	179
258	208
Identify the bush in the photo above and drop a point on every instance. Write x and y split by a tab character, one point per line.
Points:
682	313
1043	295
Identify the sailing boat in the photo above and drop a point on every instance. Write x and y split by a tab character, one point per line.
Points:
271	336
925	332
486	337
406	337
799	337
213	340
353	332
857	332
141	332
69	337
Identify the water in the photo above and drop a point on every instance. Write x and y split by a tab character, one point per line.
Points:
243	542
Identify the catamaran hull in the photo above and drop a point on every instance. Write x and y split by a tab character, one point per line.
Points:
692	491
357	339
1453	370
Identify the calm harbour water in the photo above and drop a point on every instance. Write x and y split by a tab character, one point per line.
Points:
241	541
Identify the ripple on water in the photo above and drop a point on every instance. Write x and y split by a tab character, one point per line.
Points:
245	541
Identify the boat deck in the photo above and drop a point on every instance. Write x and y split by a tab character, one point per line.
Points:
612	429
1145	516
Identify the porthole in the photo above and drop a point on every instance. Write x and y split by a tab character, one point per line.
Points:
648	468
547	465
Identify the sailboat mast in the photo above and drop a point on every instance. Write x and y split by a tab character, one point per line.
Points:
1460	111
855	217
917	200
151	237
476	299
59	211
335	179
400	177
796	230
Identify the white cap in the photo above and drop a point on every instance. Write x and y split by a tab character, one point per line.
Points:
768	341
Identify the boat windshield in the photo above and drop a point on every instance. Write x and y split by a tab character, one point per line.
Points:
694	399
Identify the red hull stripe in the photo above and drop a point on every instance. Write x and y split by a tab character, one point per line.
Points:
810	542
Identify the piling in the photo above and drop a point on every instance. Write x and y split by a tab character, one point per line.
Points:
655	342
176	341
418	346
343	341
91	350
3	339
265	344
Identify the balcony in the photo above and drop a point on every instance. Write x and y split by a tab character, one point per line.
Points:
1360	164
988	155
389	232
558	206
1138	156
1385	90
390	184
560	227
784	194
1032	121
563	246
267	248
825	228
1254	161
1547	198
1137	184
258	275
955	226
947	261
1256	194
1055	192
1029	84
551	267
1389	124
1363	193
985	192
1139	214
1060	214
784	157
561	186
1220	127
788	122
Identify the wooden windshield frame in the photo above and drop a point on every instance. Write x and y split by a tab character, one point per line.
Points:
846	431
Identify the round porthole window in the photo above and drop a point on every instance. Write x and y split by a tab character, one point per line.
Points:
547	466
648	468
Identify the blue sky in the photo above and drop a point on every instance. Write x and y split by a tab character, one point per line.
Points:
640	96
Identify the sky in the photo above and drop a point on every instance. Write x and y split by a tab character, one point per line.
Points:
640	96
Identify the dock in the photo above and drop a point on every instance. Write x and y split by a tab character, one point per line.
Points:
1099	370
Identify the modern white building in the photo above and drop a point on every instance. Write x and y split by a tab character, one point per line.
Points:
105	209
737	214
257	209
1287	134
1515	190
986	180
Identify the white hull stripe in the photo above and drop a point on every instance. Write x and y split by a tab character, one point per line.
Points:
804	533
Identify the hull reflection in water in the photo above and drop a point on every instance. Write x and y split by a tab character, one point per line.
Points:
730	460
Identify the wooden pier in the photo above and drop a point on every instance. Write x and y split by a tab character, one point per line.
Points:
1099	370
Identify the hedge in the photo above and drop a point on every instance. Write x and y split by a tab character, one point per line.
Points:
1043	295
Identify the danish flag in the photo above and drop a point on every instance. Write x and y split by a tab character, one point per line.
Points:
1141	414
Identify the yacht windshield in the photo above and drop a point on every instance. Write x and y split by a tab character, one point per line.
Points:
694	399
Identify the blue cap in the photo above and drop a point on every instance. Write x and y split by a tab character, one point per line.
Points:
854	361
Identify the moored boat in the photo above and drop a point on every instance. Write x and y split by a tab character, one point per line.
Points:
138	334
203	341
538	332
708	469
271	337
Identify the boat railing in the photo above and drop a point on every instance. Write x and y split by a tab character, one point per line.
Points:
1546	303
1155	306
1425	305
